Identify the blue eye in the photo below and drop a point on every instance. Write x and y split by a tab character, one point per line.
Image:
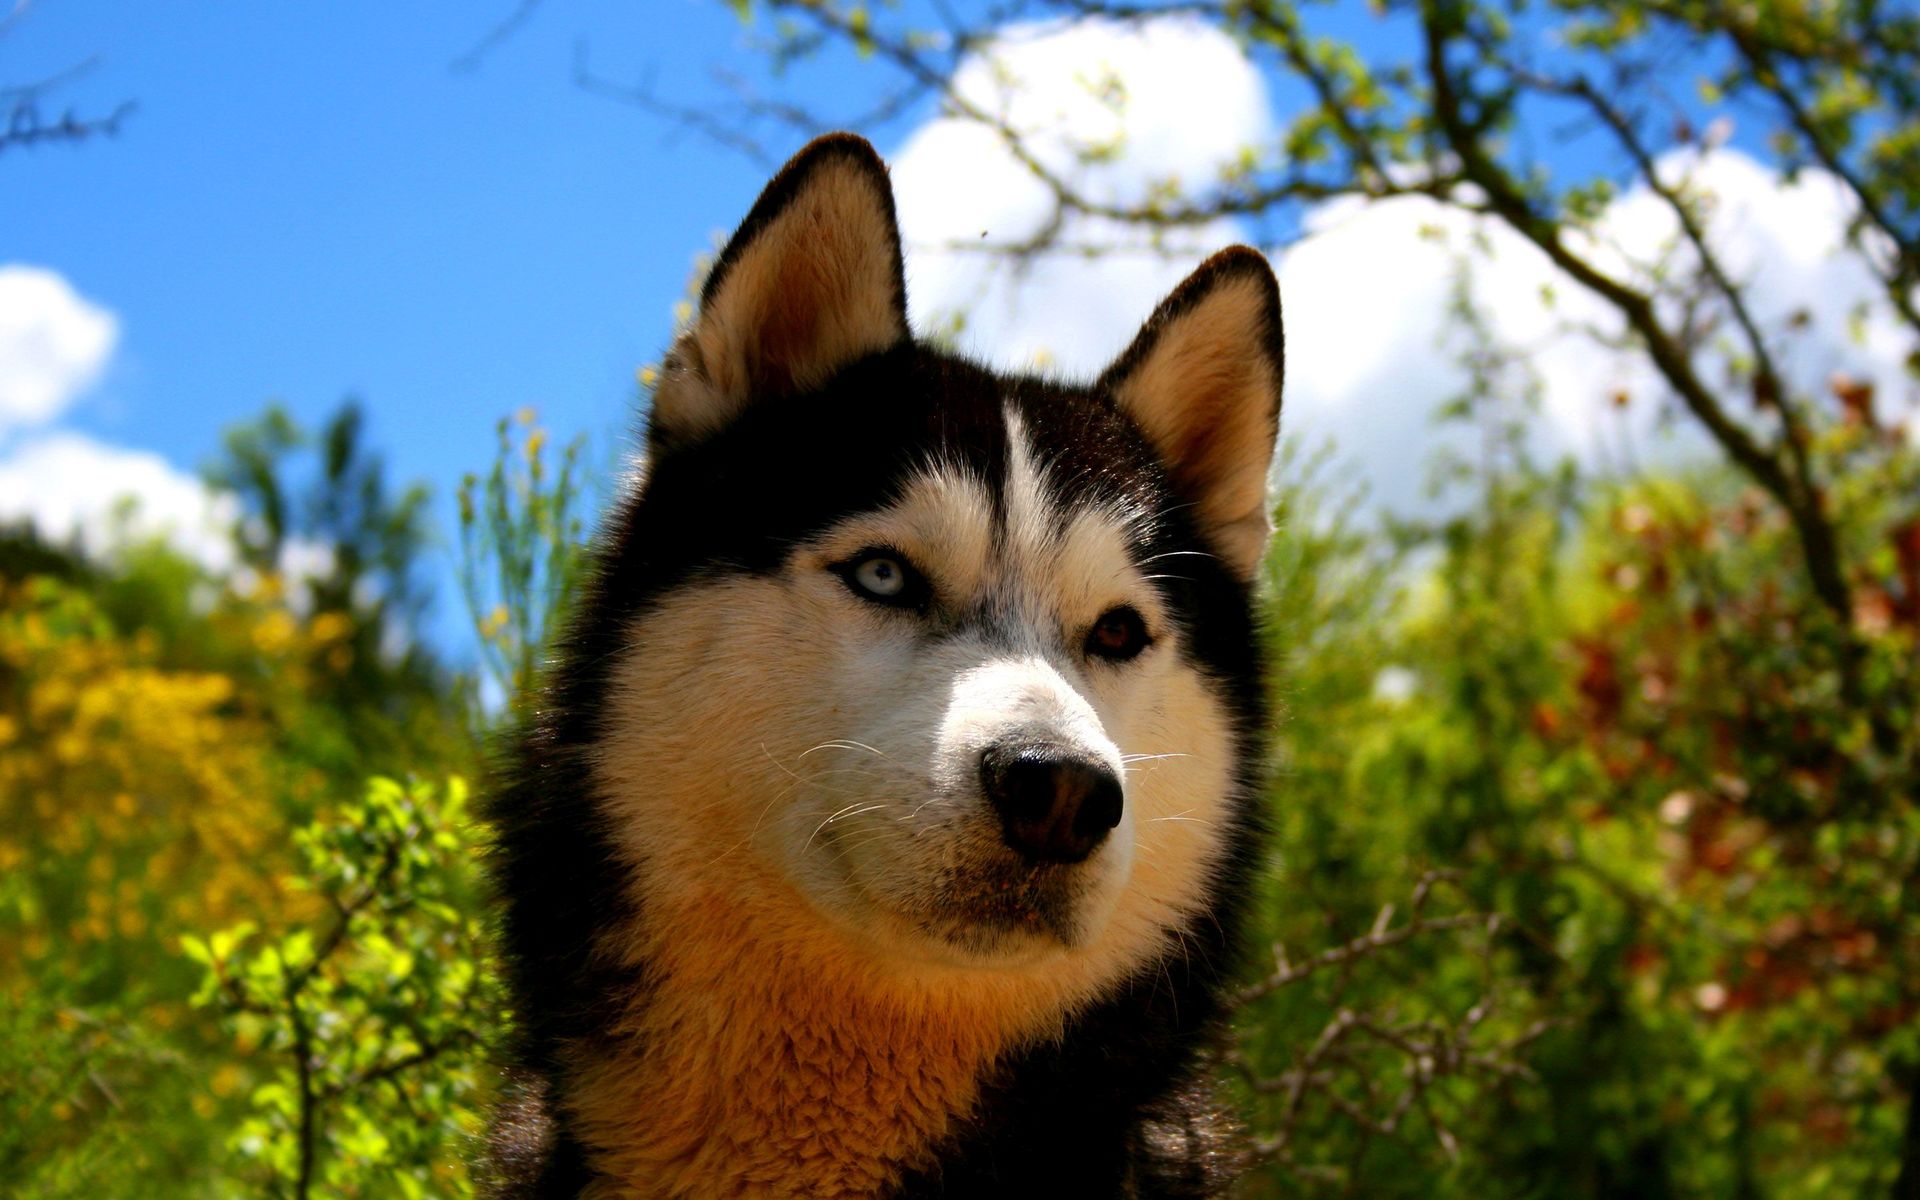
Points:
883	577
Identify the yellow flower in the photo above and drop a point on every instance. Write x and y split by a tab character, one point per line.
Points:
331	626
122	776
495	622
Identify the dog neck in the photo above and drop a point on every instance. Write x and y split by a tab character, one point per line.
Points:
771	1055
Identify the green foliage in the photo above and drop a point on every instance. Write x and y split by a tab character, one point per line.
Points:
163	732
96	1106
1614	713
378	1017
323	525
522	541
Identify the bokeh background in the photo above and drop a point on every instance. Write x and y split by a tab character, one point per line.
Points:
1593	607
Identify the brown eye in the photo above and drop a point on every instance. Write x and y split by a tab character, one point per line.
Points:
1118	635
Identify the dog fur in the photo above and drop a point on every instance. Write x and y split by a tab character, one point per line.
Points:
765	932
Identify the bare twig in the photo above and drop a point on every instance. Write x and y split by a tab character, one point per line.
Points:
22	105
309	1101
29	125
1509	201
1382	935
1767	74
493	38
642	96
1423	1052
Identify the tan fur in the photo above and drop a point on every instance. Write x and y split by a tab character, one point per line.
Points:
811	292
786	1062
1206	393
802	1033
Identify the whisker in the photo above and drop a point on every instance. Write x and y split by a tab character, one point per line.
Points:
798	781
776	762
855	809
851	810
923	804
847	744
845	846
1176	554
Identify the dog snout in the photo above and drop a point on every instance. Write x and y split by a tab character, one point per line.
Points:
1055	805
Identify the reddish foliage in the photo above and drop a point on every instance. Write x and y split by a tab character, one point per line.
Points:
1643	957
1856	400
1599	683
1906	552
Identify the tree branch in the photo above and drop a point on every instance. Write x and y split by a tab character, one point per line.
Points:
1804	508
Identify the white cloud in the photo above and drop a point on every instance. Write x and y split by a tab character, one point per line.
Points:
102	499
1368	332
78	490
1188	104
1371	351
53	345
1784	240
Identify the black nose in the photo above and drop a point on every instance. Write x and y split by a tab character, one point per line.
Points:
1054	805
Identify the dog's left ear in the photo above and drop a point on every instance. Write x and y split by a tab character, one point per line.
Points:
1202	380
811	282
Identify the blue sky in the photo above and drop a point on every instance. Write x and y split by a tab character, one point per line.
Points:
312	202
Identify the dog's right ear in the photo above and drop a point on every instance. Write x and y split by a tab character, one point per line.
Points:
1203	381
810	282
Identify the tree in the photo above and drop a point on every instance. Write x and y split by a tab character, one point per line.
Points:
349	552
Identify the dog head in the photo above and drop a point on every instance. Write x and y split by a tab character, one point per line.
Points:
961	661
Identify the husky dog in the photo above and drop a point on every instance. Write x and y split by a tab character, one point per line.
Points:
887	826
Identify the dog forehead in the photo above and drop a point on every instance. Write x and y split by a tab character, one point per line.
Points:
948	450
1019	521
1082	534
1059	447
